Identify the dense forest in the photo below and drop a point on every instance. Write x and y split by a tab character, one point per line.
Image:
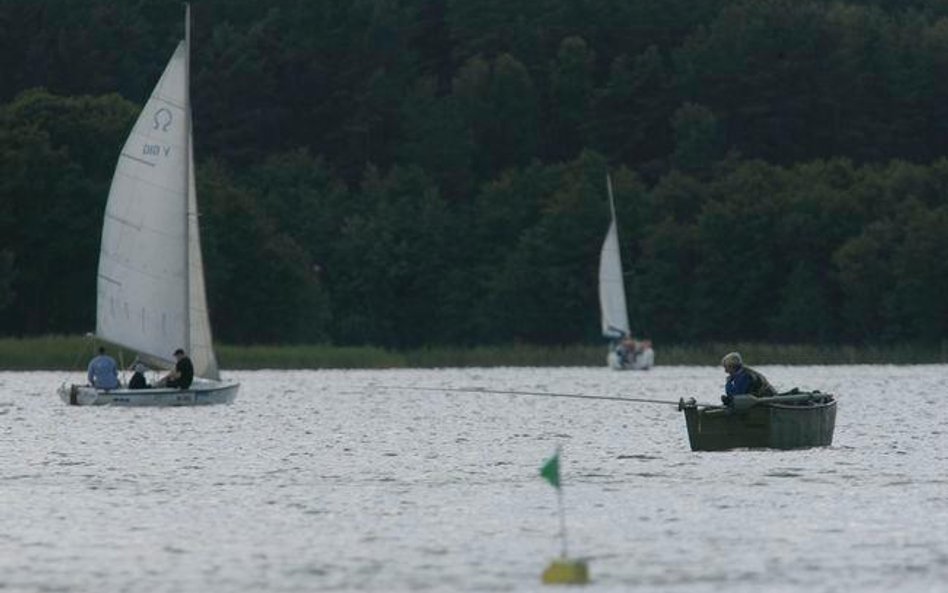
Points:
404	173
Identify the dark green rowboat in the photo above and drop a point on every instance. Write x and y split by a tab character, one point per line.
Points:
783	422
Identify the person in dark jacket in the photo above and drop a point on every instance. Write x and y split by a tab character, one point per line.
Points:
744	380
183	373
138	377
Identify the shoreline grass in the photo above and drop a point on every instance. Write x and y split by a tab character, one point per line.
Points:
74	352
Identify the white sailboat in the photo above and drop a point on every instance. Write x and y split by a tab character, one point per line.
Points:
625	352
151	295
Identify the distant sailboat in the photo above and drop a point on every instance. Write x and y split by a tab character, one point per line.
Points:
151	295
625	353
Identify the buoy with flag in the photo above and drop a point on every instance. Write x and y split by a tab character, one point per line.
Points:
563	570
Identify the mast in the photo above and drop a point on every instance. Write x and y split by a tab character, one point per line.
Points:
187	168
612	203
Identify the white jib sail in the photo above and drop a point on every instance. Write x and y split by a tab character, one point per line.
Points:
202	347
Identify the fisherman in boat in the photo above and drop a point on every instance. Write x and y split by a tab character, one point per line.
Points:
103	371
138	377
183	372
743	380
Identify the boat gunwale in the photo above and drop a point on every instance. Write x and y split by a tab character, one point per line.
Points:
797	405
803	406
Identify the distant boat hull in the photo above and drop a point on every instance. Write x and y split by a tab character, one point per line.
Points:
201	393
642	362
773	425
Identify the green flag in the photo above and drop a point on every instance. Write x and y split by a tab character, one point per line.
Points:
551	470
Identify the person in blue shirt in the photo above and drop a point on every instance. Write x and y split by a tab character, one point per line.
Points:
744	380
103	372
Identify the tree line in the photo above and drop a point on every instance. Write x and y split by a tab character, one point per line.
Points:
433	172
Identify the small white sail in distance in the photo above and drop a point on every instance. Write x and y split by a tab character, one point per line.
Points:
612	304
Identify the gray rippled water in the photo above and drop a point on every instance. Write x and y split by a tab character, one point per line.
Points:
331	481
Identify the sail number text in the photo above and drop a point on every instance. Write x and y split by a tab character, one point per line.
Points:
155	150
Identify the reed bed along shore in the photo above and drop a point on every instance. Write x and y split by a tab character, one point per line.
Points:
74	352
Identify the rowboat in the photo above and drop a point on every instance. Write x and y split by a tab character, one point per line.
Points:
789	421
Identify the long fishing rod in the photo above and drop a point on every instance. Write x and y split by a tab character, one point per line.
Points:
537	393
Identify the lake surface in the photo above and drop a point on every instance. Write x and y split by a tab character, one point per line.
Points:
330	481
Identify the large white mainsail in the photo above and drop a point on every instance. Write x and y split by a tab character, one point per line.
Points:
615	316
143	255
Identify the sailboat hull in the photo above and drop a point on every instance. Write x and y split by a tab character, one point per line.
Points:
201	393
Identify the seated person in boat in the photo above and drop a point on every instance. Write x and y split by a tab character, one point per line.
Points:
102	371
183	372
626	349
744	380
630	349
138	377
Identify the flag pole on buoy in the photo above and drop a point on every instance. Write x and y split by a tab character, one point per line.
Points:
563	570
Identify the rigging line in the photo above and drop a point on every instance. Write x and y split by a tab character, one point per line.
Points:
540	393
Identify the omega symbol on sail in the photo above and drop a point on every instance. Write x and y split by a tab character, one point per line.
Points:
163	119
